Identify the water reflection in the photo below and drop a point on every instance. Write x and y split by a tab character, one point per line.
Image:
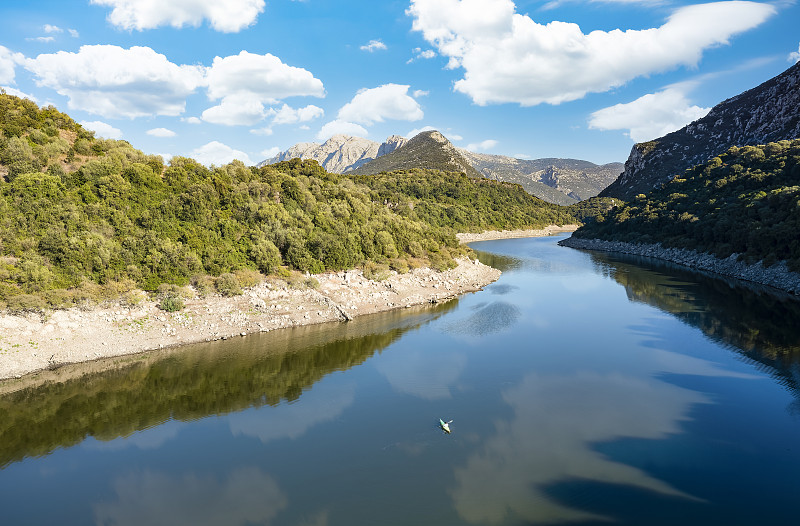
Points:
756	322
557	421
320	404
491	318
191	383
415	370
245	496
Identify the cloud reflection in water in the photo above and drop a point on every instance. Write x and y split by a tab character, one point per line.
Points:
550	440
246	496
323	403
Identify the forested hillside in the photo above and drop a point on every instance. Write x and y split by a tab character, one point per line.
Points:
745	201
83	218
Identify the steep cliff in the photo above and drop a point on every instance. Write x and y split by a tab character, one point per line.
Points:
767	113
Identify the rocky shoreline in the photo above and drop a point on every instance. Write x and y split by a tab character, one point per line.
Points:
513	234
35	342
777	276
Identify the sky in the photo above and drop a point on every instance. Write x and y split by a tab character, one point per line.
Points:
217	80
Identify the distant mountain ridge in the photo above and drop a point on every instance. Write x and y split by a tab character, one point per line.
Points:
767	113
340	153
558	181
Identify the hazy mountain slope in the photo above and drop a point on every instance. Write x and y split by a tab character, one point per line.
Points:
340	153
428	150
561	181
769	112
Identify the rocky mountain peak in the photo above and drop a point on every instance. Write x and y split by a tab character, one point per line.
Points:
769	112
340	153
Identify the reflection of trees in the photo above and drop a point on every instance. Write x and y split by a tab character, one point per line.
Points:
209	379
498	261
755	322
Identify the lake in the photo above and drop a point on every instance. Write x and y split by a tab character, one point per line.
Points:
583	388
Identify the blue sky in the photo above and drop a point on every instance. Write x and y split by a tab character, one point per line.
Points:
216	79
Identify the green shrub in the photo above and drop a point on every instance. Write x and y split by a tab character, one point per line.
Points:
203	285
375	271
24	303
228	285
171	302
248	278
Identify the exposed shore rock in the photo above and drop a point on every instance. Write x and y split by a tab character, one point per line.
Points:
777	276
37	342
513	234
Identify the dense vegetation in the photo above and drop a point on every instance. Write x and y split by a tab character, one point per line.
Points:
590	209
82	217
745	201
461	203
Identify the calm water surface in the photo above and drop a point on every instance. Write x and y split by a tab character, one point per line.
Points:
583	388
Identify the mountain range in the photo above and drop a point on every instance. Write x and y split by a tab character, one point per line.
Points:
767	113
340	153
558	181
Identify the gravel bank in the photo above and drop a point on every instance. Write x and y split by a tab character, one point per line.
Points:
777	276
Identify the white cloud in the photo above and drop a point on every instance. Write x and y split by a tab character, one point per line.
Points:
42	39
417	131
482	146
421	93
419	53
8	64
650	116
269	153
794	56
229	16
289	115
17	93
161	132
192	120
507	57
390	101
111	81
73	33
261	131
52	29
248	82
218	154
264	76
373	45
103	129
242	109
340	127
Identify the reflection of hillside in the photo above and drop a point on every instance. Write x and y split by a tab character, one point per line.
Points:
756	323
210	379
498	261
